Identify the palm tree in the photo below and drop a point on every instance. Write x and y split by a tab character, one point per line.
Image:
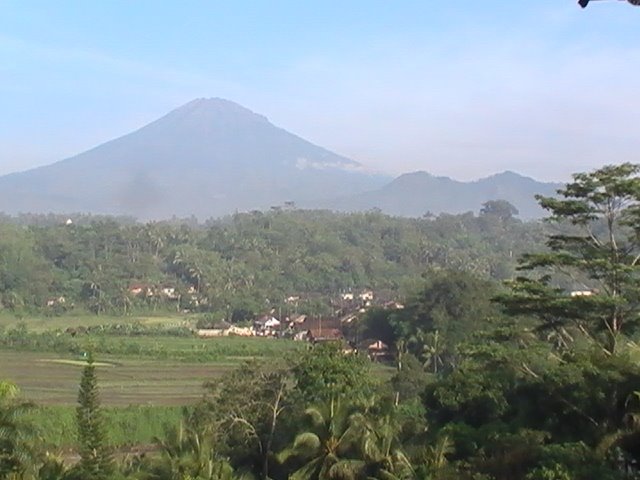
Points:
154	237
432	351
189	453
330	448
434	458
627	437
383	453
53	468
123	300
16	454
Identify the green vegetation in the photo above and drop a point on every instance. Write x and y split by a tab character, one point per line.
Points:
139	342
125	426
520	380
15	448
243	265
43	321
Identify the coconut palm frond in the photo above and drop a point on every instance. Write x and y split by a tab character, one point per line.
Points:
386	475
443	447
315	416
307	442
345	470
309	471
402	461
306	445
370	446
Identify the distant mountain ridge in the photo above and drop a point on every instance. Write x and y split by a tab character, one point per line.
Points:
212	157
414	194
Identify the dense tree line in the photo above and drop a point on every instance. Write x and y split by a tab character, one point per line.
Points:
241	265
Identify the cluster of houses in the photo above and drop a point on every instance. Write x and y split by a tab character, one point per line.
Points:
300	328
56	301
187	296
169	292
313	329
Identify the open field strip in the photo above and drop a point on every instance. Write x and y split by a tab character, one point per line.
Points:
79	363
42	323
49	379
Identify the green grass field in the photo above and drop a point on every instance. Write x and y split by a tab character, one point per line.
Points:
145	369
49	379
145	379
124	426
133	370
41	323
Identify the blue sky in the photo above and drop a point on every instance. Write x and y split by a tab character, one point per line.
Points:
458	88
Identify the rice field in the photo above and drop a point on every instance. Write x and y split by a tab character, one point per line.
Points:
49	379
42	323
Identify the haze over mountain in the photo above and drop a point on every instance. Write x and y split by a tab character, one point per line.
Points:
212	157
414	194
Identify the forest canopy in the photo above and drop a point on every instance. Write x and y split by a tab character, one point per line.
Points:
242	264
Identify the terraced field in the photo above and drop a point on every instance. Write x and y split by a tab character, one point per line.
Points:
50	379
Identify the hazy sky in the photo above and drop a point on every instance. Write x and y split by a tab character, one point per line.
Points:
460	88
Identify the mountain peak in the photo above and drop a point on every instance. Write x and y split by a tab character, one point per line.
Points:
509	176
214	110
214	103
208	157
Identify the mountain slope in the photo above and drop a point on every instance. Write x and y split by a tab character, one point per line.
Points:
414	194
209	157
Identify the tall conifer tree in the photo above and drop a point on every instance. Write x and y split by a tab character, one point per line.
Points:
95	463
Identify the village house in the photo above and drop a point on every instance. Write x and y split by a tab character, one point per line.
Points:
218	329
149	290
392	305
169	292
141	289
241	331
582	293
318	324
376	349
317	335
318	330
225	329
266	325
349	317
297	319
366	295
52	302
